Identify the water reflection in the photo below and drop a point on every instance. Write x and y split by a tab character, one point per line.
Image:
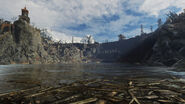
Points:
15	77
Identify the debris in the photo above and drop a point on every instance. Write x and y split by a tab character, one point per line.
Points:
130	83
101	92
133	98
86	101
150	92
151	97
151	84
101	102
37	102
112	94
33	95
165	101
180	99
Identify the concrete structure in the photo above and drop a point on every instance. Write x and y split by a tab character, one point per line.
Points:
121	37
6	26
24	15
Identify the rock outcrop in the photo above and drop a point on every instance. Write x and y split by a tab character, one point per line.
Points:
170	45
165	46
24	45
8	48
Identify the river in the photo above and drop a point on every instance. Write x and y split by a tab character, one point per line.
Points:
16	77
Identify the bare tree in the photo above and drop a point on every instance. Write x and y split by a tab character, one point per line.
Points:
14	19
1	21
159	21
151	28
88	39
44	34
72	39
172	16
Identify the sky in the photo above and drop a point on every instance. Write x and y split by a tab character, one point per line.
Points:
103	19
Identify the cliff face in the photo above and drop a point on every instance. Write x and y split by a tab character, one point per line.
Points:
22	46
170	45
7	48
165	46
25	46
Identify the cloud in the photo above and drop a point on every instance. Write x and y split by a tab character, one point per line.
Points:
40	15
58	36
152	7
104	19
78	11
64	37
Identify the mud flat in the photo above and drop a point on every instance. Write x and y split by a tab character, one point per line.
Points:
128	91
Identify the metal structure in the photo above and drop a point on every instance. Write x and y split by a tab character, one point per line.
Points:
142	31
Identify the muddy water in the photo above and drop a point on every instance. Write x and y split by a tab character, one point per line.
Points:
16	77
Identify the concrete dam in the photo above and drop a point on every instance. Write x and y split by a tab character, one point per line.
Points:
112	51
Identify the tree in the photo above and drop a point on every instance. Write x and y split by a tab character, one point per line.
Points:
142	31
88	39
1	21
72	39
46	34
172	16
159	21
151	28
14	19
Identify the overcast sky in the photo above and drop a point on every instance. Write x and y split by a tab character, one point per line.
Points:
104	19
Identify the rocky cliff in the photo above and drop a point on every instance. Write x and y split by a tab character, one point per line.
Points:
24	45
165	46
170	44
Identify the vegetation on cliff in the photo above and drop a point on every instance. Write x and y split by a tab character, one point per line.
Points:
165	46
24	45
